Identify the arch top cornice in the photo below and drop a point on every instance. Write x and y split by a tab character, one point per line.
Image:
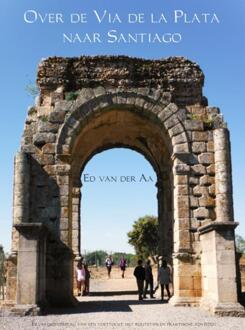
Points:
183	78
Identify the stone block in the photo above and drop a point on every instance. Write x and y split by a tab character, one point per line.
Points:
64	211
194	125
49	148
198	169
180	179
181	148
181	190
207	180
193	180
62	179
198	147
200	190
177	129
181	169
206	201
64	236
221	156
64	190
47	127
193	202
201	213
57	117
170	122
179	139
212	190
62	106
64	224
200	136
206	158
210	146
39	139
211	169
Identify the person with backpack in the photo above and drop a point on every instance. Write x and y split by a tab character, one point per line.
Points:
108	264
122	264
139	273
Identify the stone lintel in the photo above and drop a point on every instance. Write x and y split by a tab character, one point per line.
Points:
218	225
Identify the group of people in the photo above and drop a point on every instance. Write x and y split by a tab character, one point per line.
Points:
143	274
122	264
144	278
83	277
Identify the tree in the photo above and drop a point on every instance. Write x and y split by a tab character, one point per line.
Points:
144	236
240	244
96	258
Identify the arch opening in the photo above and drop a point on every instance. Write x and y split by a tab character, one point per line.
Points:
124	129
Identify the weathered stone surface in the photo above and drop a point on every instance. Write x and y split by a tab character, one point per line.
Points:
198	147
177	129
39	139
90	104
124	72
201	213
199	191
49	148
194	125
206	201
200	136
206	180
198	169
206	158
57	117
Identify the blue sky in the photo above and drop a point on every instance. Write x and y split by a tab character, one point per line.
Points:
218	48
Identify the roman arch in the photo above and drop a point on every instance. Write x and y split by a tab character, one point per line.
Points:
90	104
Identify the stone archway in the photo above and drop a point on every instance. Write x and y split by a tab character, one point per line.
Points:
87	105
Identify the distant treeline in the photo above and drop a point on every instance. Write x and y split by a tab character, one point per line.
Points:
98	258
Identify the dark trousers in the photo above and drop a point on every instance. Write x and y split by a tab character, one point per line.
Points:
167	289
147	283
140	284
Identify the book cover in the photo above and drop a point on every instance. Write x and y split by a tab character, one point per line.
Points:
121	139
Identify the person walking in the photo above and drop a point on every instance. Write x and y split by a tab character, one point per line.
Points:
87	280
122	264
109	263
164	278
139	273
148	279
80	277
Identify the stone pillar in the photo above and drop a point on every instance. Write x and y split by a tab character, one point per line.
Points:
165	217
21	188
31	267
76	230
20	215
161	220
219	294
21	195
186	277
223	180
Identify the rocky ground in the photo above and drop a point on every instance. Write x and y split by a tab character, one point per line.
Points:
113	304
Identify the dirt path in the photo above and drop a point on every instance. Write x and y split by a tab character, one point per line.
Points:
113	304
